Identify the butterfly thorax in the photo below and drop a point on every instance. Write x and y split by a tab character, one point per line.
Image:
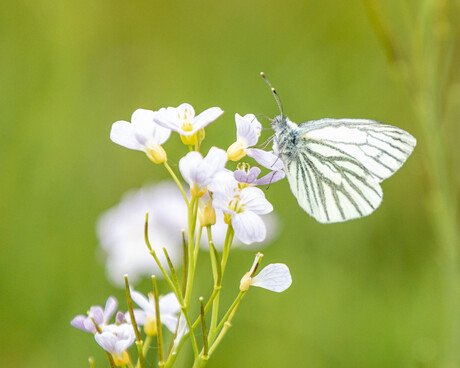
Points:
286	133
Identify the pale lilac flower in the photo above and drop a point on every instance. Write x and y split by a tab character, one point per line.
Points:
182	120
169	308
199	172
275	277
100	316
250	177
120	231
116	339
242	207
142	134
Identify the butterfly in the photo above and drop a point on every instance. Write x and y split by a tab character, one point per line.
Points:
335	166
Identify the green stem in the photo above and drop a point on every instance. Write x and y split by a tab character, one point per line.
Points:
173	175
158	323
139	342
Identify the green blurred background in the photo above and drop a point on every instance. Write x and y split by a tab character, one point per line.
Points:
366	293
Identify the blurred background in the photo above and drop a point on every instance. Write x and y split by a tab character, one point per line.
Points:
366	293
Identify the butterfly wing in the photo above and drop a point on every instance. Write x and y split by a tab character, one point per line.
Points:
337	164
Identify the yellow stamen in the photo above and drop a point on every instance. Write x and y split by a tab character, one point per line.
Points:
121	359
150	326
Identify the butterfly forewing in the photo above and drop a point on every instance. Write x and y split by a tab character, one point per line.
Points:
337	165
381	149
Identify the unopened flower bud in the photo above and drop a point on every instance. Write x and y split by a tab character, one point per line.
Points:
156	153
236	151
245	282
206	212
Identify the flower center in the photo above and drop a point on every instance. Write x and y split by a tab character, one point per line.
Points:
186	126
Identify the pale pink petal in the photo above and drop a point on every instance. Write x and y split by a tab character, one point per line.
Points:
110	307
206	117
266	159
275	277
249	227
168	118
122	133
255	201
215	160
139	315
271	177
107	341
97	313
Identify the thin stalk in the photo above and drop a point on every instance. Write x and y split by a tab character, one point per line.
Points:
91	362
185	267
173	175
203	328
133	322
158	323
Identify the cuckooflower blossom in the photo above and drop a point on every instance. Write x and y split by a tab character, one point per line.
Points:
241	207
169	308
120	231
199	172
275	277
100	316
182	120
116	339
248	130
249	176
141	135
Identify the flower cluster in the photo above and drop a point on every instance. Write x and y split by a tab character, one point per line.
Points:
154	230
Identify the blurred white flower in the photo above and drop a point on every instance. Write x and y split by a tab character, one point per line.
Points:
241	207
199	172
275	277
116	339
120	231
169	308
100	316
142	134
182	120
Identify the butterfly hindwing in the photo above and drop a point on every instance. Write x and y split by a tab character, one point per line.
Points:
329	184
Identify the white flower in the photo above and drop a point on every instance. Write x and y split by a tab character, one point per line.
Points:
169	308
199	172
100	316
275	277
141	135
120	231
242	207
250	177
182	120
116	339
248	130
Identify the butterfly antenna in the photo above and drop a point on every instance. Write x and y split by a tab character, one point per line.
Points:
277	98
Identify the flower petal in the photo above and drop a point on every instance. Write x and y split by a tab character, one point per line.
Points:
169	321
249	227
275	277
97	313
206	117
122	133
79	322
188	164
142	301
255	201
169	304
248	129
266	159
215	160
139	315
168	118
110	307
271	177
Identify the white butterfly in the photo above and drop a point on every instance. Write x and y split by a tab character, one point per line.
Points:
335	166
